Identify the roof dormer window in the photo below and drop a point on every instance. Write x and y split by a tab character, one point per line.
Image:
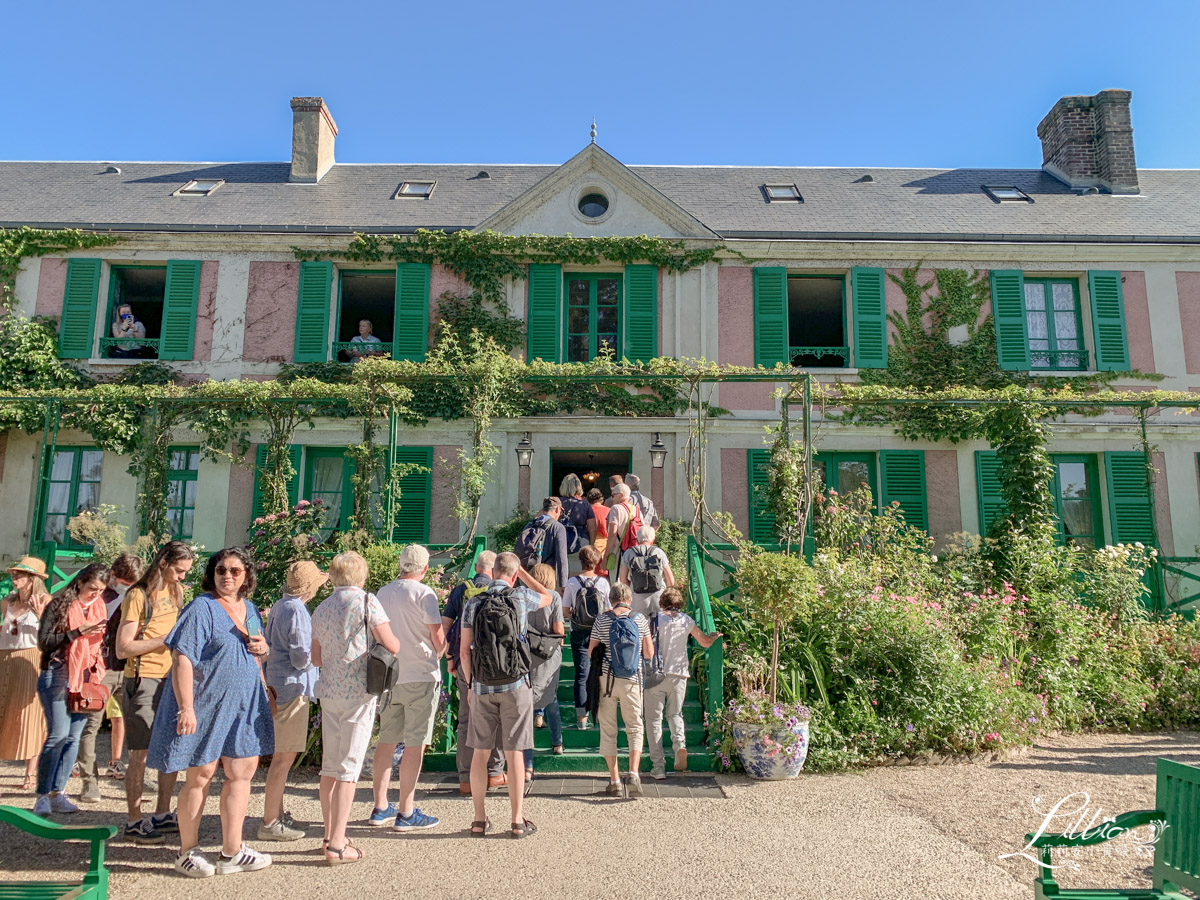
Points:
1007	194
778	192
200	187
418	189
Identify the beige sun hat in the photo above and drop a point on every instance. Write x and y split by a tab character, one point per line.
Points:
304	578
29	565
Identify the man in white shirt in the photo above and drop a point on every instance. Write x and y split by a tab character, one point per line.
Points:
412	609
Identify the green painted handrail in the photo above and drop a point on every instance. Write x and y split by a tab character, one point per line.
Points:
714	694
94	883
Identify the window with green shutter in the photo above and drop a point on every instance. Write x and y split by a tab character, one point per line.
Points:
295	451
762	519
1108	321
544	313
411	340
1008	314
415	503
639	318
992	507
312	312
78	320
181	297
1130	511
366	314
1076	491
72	486
870	318
902	480
592	316
183	467
770	316
816	321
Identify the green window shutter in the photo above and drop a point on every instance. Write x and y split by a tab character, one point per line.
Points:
1129	505
1108	321
416	496
770	317
76	327
177	339
410	335
1008	314
542	321
870	318
312	312
987	485
293	489
902	478
640	317
762	520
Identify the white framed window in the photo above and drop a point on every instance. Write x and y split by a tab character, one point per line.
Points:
1006	194
778	192
420	190
200	187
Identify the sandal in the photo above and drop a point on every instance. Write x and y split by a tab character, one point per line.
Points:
482	828
324	846
523	828
341	855
116	770
30	783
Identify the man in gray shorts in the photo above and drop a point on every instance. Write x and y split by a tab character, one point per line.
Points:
501	713
409	717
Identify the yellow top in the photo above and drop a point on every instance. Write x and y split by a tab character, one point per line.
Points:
156	663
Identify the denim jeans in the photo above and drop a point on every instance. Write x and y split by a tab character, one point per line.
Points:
62	730
554	722
583	665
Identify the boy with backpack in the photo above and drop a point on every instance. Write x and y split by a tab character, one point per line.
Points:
625	636
544	540
495	659
647	571
584	598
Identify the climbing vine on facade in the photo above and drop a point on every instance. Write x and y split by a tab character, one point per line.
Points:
17	244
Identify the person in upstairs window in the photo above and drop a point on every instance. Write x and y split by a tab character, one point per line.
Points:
365	336
126	325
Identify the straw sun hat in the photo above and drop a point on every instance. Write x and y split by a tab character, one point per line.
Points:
29	565
304	578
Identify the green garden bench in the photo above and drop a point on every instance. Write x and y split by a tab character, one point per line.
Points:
94	885
1176	851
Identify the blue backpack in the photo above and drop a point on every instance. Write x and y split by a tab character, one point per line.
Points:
624	647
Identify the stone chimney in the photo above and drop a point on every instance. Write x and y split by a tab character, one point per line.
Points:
313	131
1088	142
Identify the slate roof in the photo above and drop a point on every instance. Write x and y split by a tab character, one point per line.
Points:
926	204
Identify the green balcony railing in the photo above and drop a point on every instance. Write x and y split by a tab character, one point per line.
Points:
821	353
1059	360
129	348
340	347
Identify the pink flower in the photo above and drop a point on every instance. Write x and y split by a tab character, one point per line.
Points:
302	504
302	512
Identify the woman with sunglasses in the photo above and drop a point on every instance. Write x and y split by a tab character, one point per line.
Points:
214	709
22	722
70	635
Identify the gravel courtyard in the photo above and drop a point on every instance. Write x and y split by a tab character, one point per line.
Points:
911	832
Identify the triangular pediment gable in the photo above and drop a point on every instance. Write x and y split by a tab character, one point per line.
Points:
635	207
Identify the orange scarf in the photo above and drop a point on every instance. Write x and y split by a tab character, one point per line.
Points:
84	652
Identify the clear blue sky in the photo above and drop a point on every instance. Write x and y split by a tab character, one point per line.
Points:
749	82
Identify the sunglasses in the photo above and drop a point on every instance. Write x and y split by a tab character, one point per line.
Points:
229	570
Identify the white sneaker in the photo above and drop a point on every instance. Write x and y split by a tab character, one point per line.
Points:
41	806
633	785
61	803
246	860
193	865
278	831
658	773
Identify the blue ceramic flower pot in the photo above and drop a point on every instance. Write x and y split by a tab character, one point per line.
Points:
762	754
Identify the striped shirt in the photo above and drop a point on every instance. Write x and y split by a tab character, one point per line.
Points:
603	627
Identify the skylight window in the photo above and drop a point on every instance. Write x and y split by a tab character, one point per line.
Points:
200	187
418	189
777	192
1007	194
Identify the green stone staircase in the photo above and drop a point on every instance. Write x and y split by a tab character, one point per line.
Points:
581	747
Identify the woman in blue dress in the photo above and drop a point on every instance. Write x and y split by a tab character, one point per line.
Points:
215	709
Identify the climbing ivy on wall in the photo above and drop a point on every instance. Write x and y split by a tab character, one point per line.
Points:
17	244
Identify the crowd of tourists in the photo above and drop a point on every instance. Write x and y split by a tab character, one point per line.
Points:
190	689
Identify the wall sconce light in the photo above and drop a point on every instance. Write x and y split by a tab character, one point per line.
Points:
658	452
524	451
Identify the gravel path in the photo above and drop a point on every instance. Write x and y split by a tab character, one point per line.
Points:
919	832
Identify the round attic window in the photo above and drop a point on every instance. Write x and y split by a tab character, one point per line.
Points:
593	205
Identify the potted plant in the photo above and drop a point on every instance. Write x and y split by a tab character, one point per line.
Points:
770	737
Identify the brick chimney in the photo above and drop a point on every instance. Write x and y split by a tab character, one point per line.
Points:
1088	142
313	131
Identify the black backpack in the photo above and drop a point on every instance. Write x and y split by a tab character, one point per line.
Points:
531	544
499	652
588	601
109	646
645	571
